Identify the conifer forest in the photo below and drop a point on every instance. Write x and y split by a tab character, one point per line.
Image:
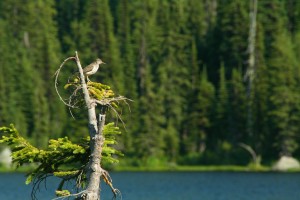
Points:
186	64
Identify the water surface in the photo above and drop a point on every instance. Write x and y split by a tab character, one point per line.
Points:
176	186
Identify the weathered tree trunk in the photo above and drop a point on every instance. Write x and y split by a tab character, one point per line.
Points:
94	170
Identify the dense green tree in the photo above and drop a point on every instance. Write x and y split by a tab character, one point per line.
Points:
273	18
37	51
221	111
190	114
232	33
101	42
150	132
220	137
292	8
260	98
284	100
172	69
3	86
150	143
155	53
237	107
10	108
282	75
205	98
124	36
69	12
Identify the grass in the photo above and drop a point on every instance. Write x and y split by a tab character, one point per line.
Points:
212	168
232	168
175	168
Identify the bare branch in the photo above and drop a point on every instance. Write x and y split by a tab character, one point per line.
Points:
108	101
251	151
73	95
70	195
118	116
56	79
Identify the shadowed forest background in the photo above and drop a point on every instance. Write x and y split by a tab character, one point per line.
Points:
183	62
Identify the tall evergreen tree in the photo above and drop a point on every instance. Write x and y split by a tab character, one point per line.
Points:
69	13
232	32
36	38
205	98
190	114
292	8
171	72
99	40
284	99
220	118
260	128
155	52
237	115
11	111
149	142
124	36
273	18
281	71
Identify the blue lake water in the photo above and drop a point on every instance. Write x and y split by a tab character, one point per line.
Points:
175	186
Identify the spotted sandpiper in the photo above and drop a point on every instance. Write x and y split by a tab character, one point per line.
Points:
92	68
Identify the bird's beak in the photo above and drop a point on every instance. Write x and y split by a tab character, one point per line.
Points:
103	63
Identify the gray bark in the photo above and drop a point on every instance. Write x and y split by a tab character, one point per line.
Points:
94	170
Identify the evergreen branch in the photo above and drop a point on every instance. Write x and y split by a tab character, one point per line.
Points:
60	152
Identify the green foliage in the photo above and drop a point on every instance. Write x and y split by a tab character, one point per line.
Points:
61	193
62	158
22	151
232	29
156	53
99	91
110	131
282	111
33	54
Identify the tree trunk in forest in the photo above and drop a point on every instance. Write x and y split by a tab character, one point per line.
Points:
94	170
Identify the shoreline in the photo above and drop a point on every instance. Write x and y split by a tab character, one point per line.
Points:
186	168
198	168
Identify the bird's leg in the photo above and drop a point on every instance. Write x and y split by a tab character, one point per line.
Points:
87	78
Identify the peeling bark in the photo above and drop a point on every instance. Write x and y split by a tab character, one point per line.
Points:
94	170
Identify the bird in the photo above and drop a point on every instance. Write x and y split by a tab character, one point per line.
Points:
92	68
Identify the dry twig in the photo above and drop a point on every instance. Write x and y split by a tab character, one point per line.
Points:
56	80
